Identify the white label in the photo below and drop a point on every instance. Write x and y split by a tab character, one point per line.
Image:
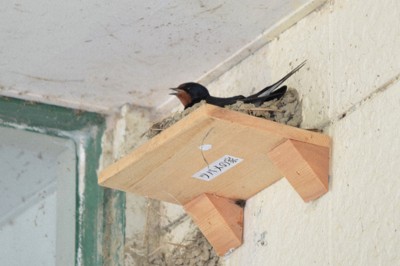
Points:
218	167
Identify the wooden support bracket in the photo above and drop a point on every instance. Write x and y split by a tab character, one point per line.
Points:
167	166
219	219
304	165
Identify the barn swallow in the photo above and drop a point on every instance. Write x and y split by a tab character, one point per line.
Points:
191	93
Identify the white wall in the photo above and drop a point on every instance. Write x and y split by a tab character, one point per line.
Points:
350	88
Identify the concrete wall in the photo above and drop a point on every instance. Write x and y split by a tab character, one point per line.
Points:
123	135
350	88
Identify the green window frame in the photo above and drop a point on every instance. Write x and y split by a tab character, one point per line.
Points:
100	212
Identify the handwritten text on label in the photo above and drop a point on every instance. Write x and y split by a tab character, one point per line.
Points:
218	167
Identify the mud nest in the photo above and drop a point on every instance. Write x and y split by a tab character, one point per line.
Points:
286	110
197	252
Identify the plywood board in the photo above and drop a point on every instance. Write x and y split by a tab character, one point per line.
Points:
163	168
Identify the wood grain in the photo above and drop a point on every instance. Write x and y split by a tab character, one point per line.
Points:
305	166
219	219
163	167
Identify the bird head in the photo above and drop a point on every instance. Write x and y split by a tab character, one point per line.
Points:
190	93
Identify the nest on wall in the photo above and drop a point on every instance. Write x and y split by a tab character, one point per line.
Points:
194	251
286	110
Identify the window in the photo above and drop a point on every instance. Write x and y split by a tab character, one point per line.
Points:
52	211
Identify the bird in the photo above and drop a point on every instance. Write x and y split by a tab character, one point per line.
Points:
190	93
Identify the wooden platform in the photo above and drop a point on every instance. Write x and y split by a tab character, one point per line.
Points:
163	168
215	156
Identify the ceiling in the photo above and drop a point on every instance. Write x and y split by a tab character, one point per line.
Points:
98	55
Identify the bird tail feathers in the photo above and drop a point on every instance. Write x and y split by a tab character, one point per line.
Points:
272	88
257	101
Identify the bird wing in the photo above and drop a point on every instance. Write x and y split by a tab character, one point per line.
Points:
277	94
224	101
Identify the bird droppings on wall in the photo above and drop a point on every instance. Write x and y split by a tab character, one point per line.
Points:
261	239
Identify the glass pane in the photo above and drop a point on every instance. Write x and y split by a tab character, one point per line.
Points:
37	199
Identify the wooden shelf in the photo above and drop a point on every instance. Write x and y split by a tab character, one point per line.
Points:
241	156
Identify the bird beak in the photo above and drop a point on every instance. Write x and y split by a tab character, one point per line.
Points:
175	93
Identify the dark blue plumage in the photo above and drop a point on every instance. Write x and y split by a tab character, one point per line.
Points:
191	93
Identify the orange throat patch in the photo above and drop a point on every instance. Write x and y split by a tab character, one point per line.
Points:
184	97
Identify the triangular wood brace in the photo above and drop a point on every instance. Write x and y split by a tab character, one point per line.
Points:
219	219
305	166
